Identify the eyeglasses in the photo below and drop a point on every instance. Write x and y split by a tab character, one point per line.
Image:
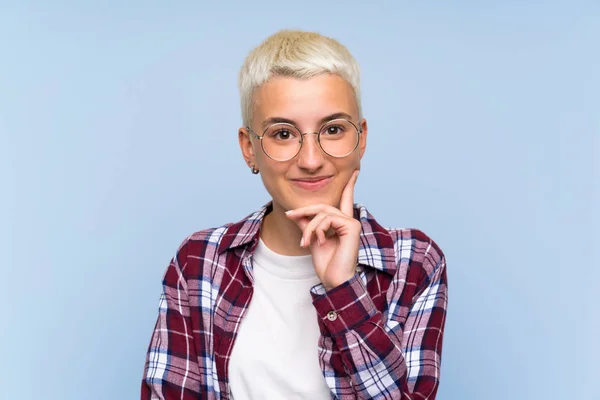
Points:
282	141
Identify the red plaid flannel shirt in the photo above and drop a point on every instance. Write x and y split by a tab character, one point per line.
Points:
382	341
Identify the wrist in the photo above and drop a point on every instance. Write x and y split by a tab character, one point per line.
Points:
343	279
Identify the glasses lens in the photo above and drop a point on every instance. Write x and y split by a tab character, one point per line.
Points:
339	138
281	142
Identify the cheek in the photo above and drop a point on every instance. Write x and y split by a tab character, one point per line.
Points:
348	164
272	174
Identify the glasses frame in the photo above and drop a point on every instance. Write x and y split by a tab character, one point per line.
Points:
302	134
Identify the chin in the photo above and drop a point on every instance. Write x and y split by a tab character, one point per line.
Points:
291	198
307	200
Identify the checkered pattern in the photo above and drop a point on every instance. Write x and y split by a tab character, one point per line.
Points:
381	331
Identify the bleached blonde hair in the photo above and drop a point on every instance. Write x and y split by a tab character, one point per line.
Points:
296	54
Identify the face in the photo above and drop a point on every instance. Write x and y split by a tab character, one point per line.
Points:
312	176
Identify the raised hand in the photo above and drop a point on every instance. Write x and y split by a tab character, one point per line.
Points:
333	236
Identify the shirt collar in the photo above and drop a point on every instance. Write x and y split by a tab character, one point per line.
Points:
376	244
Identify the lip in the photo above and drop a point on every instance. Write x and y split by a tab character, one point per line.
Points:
312	183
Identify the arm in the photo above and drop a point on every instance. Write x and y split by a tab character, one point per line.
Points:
171	370
389	359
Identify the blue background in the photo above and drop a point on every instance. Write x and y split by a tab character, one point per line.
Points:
118	138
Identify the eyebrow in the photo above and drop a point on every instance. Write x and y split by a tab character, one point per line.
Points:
279	120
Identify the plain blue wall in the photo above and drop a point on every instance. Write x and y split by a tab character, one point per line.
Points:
118	139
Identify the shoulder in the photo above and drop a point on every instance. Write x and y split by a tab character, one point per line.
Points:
203	244
199	242
414	244
418	256
410	246
206	248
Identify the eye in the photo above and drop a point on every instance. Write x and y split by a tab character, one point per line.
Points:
333	130
282	134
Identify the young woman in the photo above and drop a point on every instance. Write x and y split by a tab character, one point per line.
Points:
308	297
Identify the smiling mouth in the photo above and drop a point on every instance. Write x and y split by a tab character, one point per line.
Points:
312	184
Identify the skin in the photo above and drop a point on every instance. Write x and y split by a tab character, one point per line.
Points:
317	222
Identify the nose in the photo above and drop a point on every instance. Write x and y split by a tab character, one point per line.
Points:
311	156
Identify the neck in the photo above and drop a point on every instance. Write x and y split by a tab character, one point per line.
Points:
281	234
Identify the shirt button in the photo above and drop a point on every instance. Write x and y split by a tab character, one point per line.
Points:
332	315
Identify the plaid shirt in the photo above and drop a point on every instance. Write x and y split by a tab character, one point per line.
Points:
381	331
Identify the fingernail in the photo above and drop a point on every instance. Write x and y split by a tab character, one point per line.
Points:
302	242
288	211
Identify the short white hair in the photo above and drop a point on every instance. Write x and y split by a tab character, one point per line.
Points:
296	54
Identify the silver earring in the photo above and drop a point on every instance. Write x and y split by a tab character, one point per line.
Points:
254	170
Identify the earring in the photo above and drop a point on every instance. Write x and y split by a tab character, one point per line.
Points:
254	170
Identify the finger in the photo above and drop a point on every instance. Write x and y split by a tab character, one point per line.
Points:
338	225
309	229
301	221
312	210
321	231
321	236
333	225
321	228
347	200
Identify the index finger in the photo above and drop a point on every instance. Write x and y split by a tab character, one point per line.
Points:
347	200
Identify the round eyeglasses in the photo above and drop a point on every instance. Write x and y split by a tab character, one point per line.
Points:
282	141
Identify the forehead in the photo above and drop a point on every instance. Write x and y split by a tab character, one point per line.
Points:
304	101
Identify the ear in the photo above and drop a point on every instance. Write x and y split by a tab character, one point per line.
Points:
247	147
363	137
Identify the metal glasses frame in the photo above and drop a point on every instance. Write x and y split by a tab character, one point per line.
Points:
301	140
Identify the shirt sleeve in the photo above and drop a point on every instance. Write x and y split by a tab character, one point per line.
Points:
171	370
390	359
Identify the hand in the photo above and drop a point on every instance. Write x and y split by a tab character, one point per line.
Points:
335	244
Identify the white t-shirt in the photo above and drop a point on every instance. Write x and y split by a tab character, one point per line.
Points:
275	354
